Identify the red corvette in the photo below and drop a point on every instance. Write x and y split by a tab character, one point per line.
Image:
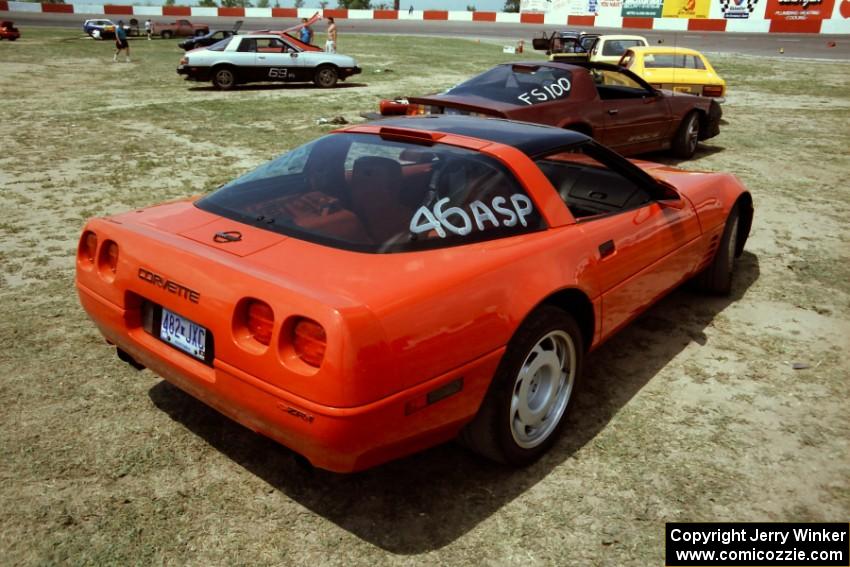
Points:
393	285
610	103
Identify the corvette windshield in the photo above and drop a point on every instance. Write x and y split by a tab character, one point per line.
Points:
362	192
518	84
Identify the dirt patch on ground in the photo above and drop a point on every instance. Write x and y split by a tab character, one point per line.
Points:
694	412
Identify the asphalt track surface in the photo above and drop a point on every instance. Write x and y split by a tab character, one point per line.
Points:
815	46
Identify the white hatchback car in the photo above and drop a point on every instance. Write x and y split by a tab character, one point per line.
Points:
264	57
609	48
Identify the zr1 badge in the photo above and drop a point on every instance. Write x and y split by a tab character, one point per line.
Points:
278	73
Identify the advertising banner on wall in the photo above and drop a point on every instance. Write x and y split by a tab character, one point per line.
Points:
737	9
535	5
686	8
799	10
642	8
569	7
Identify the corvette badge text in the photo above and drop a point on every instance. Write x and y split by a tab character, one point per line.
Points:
169	285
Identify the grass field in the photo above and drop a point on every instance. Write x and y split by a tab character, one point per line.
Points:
693	413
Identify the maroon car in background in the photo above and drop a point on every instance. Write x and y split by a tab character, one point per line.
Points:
612	104
9	31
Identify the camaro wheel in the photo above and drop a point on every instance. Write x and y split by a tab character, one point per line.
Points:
224	78
325	77
717	277
687	136
531	391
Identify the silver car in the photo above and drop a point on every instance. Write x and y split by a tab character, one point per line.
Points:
260	57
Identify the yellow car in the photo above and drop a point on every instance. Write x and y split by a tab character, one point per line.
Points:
677	69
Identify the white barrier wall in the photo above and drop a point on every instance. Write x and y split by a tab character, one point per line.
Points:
753	16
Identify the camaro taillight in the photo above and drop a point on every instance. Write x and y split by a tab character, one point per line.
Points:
712	90
260	321
416	109
309	341
392	107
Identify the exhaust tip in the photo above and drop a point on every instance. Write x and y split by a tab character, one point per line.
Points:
129	359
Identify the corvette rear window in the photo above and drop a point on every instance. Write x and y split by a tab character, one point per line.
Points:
362	192
518	84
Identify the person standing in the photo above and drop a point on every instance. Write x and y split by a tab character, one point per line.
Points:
330	44
121	41
148	28
306	32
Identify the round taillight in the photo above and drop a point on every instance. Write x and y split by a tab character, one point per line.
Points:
87	251
260	321
108	258
309	341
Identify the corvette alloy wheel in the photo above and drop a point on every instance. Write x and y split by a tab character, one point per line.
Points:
525	407
542	389
731	243
716	278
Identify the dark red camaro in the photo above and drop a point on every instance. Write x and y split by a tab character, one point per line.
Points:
610	103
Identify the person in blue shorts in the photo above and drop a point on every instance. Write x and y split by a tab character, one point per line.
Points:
306	32
121	41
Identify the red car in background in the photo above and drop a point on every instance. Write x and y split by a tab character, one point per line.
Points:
9	31
609	103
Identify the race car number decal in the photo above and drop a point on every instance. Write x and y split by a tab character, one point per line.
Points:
558	89
458	221
278	72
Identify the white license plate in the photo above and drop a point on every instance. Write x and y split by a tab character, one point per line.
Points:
183	334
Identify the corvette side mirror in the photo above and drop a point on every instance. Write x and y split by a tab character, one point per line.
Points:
678	203
671	198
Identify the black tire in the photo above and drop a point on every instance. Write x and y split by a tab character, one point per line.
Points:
167	34
499	430
325	77
716	278
224	78
687	136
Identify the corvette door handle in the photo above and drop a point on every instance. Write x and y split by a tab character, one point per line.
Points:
606	249
613	111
